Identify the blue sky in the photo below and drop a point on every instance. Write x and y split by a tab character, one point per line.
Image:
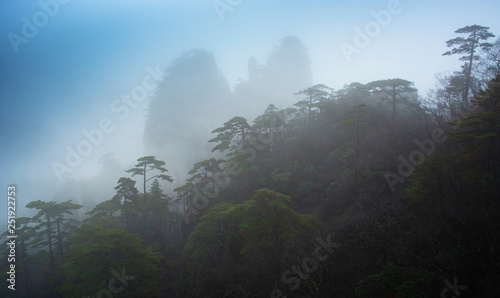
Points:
89	53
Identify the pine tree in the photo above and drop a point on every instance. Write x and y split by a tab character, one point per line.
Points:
127	198
468	47
393	89
104	259
360	112
479	132
146	164
52	224
233	135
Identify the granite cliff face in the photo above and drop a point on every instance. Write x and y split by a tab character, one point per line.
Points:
195	98
185	110
286	72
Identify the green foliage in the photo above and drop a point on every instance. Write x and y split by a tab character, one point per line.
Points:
269	123
106	208
316	97
279	177
392	281
127	201
232	235
249	238
204	168
426	181
480	130
232	135
159	202
385	86
52	226
205	175
342	154
305	187
146	164
52	209
213	229
149	163
264	219
99	248
355	124
468	45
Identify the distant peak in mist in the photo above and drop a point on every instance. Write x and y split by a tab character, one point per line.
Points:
195	98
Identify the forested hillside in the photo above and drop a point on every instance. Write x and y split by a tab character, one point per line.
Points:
373	190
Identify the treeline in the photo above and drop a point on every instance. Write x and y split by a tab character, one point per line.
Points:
367	191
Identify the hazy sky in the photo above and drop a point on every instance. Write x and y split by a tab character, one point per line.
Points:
64	76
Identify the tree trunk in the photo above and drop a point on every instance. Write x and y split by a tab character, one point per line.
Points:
60	240
469	72
394	112
28	279
145	200
356	151
50	243
26	271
